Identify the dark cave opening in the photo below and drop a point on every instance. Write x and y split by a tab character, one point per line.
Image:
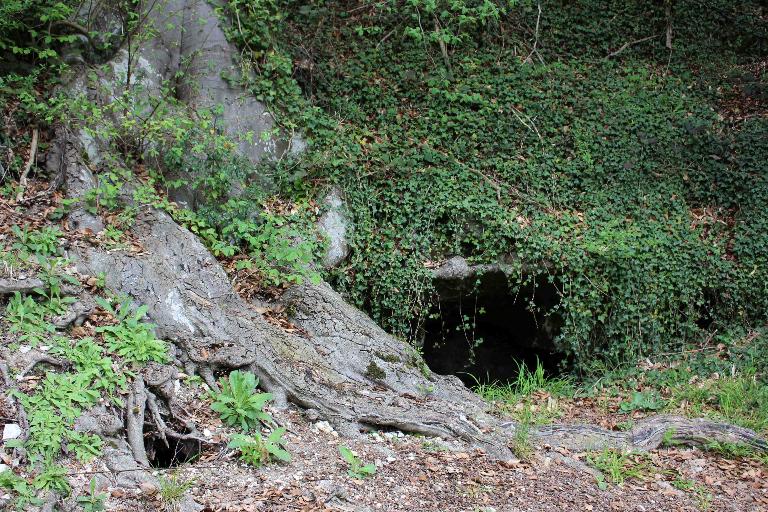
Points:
176	453
481	330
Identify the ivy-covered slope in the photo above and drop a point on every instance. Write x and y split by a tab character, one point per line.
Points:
635	182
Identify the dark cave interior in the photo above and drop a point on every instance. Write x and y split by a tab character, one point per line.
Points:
481	329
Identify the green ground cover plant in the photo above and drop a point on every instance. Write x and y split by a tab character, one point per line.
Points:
624	181
617	466
516	398
238	402
131	337
357	469
725	382
89	374
258	450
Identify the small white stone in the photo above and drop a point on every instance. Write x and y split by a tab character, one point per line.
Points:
11	431
4	467
324	426
206	432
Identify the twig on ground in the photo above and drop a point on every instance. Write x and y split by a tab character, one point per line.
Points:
530	124
488	180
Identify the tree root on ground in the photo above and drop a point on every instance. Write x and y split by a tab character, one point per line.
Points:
648	434
9	285
39	358
134	421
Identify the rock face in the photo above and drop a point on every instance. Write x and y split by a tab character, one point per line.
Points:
335	224
190	40
188	58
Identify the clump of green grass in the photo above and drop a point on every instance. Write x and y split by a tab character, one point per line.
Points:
740	399
517	397
521	444
527	383
618	466
173	489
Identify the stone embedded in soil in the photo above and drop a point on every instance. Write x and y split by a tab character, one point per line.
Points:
11	431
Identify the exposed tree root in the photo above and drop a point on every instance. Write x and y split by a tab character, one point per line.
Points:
648	434
38	358
163	431
75	315
134	421
157	418
11	285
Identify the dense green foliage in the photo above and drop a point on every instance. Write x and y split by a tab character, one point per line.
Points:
635	184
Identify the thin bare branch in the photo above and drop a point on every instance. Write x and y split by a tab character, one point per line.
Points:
631	43
28	166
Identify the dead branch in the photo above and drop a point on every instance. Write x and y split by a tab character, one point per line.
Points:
535	35
28	166
495	186
669	24
530	124
443	46
631	43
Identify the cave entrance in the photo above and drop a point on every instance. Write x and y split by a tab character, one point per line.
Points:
481	329
176	453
